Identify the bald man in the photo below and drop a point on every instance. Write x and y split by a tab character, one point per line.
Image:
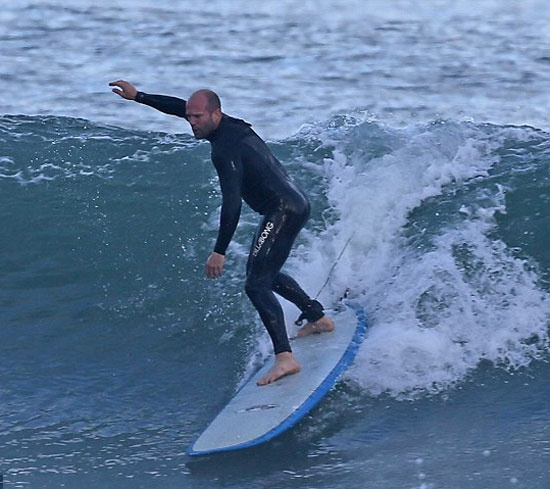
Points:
247	170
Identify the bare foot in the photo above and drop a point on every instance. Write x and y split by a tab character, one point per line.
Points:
323	325
285	364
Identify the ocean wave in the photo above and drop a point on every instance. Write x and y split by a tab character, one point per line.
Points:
445	224
426	211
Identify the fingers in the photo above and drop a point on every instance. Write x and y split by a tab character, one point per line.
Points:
213	271
120	90
119	84
214	266
120	93
124	89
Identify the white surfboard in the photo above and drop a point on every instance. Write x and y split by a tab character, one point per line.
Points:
258	414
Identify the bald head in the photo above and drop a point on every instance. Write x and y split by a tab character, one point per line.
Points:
204	112
210	99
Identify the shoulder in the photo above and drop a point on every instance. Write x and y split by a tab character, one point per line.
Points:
232	131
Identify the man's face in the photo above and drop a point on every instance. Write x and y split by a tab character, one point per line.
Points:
202	121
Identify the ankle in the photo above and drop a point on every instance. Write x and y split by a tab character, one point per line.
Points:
284	356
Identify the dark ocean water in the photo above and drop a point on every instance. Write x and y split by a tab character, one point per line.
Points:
420	131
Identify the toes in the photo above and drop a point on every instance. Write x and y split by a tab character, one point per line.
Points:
268	379
263	381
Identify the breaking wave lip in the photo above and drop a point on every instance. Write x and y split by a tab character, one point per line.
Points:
440	299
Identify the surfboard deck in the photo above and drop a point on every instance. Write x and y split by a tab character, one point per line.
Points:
256	414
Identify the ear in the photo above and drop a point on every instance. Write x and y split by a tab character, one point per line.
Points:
217	116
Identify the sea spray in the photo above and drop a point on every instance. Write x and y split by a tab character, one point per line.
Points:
442	289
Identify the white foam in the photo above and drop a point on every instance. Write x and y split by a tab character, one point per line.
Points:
434	313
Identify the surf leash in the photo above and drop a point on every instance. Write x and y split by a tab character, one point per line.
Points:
334	266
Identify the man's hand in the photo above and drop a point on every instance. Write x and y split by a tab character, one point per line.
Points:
214	265
125	89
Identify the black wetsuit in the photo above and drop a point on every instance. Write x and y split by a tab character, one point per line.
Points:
248	171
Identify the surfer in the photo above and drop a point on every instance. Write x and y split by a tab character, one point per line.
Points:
247	170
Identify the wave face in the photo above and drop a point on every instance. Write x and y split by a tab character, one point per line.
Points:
439	230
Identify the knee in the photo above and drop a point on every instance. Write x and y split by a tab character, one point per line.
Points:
254	286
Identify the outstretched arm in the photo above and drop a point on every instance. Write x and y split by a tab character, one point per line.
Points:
168	105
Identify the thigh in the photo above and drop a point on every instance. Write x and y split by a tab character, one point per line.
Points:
272	243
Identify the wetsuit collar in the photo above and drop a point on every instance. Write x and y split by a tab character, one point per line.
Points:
237	127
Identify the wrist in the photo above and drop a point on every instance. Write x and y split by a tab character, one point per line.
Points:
218	250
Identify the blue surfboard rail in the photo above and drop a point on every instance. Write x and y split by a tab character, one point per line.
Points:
324	387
